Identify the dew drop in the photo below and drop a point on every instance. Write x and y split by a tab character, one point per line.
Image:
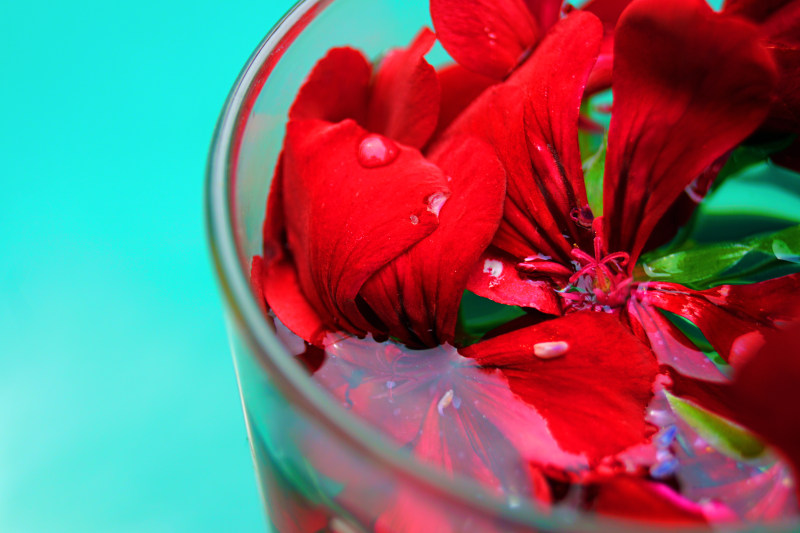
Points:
550	350
435	202
376	151
493	267
414	219
447	399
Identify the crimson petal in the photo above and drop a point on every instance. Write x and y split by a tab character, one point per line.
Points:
404	104
275	275
460	87
495	276
689	84
593	393
337	88
734	318
348	219
608	11
556	72
671	346
489	37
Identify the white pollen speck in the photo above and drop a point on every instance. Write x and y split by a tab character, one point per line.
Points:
493	267
447	399
549	350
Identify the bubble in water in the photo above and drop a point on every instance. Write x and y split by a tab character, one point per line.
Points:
376	151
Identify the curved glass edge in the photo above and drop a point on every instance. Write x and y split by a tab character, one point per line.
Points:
230	265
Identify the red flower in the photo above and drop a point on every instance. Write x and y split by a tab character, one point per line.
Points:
680	102
365	233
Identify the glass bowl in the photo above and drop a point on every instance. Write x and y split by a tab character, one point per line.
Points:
319	468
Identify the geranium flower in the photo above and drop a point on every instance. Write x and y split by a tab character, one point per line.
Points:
681	101
364	233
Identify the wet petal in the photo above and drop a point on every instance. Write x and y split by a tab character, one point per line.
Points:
604	369
337	88
404	105
489	37
449	412
734	318
417	295
349	218
689	84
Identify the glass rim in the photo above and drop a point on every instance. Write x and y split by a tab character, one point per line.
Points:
231	265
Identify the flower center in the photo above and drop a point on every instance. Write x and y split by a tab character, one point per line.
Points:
600	282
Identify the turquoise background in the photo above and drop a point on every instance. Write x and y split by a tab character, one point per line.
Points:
118	402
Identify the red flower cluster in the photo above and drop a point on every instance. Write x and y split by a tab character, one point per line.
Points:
400	187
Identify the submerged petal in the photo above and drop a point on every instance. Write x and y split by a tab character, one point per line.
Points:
603	369
689	84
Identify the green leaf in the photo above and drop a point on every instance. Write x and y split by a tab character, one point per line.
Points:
699	266
748	155
728	437
593	171
477	316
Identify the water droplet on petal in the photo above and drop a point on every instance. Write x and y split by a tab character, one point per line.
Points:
664	469
493	267
376	151
447	399
436	201
414	219
549	350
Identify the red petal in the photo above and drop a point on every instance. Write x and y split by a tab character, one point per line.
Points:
766	394
496	277
734	318
608	11
594	395
756	10
545	12
562	64
279	283
671	346
489	37
637	499
460	87
540	196
337	88
689	84
420	291
406	95
349	220
256	281
412	512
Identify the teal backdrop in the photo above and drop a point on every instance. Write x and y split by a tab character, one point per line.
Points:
118	403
